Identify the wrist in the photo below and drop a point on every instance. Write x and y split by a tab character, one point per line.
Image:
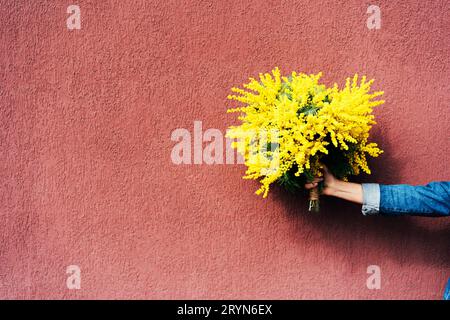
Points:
332	188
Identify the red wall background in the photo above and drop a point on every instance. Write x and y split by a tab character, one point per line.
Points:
86	176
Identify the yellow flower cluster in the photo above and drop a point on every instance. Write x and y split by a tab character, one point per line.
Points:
293	122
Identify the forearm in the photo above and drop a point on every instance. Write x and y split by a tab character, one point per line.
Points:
345	190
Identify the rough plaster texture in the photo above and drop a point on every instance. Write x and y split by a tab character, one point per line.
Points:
86	176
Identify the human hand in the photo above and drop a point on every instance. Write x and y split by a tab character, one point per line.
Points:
334	187
328	179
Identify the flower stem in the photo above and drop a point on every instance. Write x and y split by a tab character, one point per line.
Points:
314	200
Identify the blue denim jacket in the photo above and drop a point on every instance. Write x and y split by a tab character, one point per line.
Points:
432	200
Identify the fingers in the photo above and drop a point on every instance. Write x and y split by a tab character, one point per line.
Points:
314	183
311	185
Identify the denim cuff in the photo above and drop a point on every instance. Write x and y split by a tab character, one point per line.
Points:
371	199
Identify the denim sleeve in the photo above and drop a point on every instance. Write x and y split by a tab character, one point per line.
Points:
429	200
371	199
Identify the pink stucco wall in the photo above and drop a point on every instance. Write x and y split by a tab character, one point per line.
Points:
86	176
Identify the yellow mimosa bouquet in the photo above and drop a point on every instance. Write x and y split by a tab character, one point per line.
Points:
291	126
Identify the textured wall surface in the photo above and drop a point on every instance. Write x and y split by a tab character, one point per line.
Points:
86	176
